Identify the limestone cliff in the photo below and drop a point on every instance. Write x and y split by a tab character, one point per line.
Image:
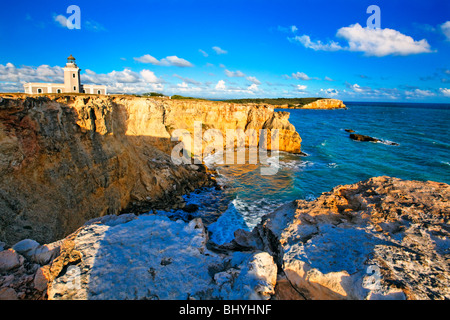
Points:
325	104
65	159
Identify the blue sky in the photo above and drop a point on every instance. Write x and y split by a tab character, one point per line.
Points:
234	49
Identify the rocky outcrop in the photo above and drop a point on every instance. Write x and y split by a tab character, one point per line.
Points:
364	138
325	104
384	238
361	137
151	257
67	159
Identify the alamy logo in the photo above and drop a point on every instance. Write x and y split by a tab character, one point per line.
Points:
74	20
374	21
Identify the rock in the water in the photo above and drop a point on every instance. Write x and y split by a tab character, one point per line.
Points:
349	130
361	137
384	238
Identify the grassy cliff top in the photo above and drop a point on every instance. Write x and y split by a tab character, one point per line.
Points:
276	101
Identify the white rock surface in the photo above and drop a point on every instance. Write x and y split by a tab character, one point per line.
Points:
152	257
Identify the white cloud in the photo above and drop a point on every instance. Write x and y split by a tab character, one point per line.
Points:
294	29
305	40
330	92
300	87
253	80
356	87
61	20
232	74
381	42
328	79
445	91
418	93
175	61
20	75
149	76
253	87
372	42
204	53
167	61
218	50
300	76
445	28
146	58
220	85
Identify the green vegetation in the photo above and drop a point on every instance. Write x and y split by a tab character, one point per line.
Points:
153	94
178	97
291	102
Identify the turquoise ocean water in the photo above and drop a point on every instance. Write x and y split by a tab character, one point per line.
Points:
423	153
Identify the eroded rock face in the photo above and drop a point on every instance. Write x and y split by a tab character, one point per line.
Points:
67	159
152	257
383	238
325	104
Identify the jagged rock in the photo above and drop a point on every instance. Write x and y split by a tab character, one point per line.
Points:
361	137
8	294
152	257
384	238
10	259
349	130
41	280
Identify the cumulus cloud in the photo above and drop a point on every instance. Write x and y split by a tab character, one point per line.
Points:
300	87
329	92
149	76
254	80
372	42
220	85
300	76
445	91
167	61
445	28
233	74
20	75
219	50
381	42
60	20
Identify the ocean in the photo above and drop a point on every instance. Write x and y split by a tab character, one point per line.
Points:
423	153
